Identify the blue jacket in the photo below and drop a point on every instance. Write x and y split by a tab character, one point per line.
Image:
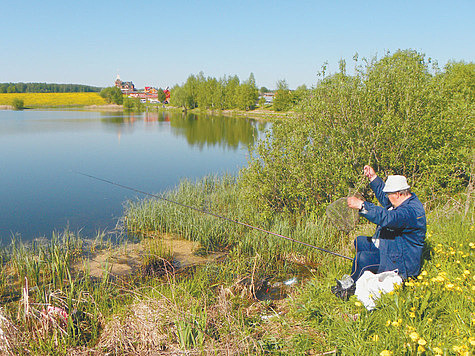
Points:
401	231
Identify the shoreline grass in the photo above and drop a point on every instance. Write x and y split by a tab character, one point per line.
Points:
238	304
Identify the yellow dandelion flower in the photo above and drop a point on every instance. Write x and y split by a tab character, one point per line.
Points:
358	304
422	342
419	277
429	320
388	323
386	353
438	350
461	350
424	273
420	349
412	315
437	265
471	340
375	338
466	272
414	336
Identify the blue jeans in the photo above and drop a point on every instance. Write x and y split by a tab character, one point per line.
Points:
366	258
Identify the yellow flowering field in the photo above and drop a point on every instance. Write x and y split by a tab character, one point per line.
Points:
33	100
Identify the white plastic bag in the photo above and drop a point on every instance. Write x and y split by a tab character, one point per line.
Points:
370	286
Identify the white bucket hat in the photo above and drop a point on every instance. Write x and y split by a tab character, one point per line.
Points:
395	184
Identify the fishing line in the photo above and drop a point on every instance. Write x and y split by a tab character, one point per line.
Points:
212	214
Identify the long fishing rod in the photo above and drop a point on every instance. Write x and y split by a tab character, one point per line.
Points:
212	214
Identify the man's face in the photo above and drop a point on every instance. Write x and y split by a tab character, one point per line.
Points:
394	198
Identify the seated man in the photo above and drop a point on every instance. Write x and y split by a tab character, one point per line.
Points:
399	238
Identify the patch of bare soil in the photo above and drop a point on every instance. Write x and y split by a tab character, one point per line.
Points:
108	107
125	259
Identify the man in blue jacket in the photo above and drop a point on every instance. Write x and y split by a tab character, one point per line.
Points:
399	238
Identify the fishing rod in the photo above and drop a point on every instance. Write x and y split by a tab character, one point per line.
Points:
212	214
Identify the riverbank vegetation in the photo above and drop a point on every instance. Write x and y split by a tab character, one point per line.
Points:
53	100
264	294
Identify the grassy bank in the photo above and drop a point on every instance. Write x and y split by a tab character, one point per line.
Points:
239	303
42	100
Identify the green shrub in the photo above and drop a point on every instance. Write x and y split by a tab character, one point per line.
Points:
112	95
18	104
392	114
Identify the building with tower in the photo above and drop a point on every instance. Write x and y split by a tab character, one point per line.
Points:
125	87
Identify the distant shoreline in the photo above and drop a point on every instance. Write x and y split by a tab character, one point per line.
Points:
257	114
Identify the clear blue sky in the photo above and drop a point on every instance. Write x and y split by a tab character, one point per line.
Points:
160	43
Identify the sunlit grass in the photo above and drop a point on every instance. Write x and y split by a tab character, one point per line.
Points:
34	100
206	309
431	314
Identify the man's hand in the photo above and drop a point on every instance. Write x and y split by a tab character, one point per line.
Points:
354	203
369	172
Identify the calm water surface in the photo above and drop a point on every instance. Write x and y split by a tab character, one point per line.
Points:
39	150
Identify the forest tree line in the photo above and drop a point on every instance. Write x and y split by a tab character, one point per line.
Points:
46	88
211	93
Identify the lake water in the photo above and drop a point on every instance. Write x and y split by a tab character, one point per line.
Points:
40	150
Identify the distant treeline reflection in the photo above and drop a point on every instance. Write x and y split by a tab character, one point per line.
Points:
199	130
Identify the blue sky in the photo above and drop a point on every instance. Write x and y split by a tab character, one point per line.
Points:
160	43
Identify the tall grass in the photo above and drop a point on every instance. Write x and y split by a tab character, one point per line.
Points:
59	307
219	195
211	309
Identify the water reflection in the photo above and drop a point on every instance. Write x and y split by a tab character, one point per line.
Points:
199	130
151	151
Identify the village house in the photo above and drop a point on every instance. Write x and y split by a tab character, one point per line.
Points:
125	87
149	94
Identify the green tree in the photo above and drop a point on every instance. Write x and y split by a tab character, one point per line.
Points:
112	95
392	114
283	97
247	94
133	104
161	95
230	92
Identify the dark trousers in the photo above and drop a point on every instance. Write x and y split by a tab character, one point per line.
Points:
366	258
